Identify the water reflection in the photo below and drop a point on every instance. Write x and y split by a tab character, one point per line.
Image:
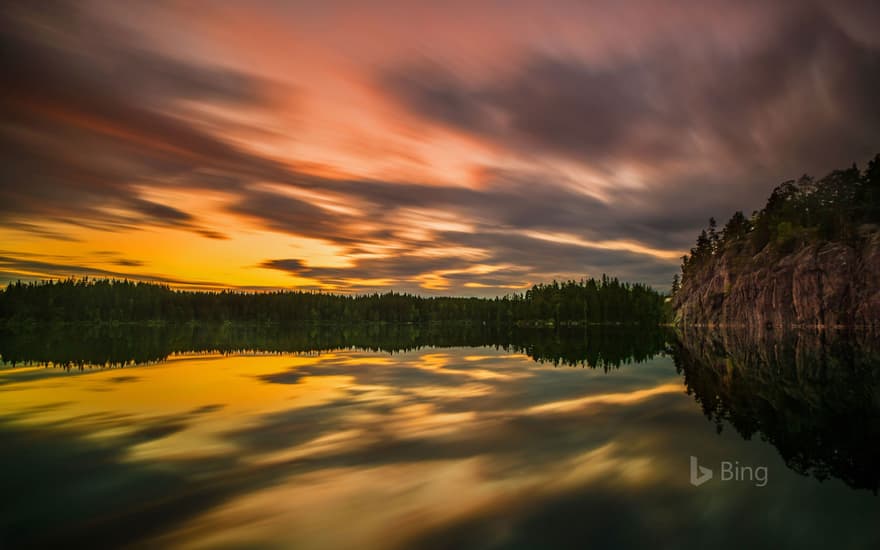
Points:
814	395
466	446
104	345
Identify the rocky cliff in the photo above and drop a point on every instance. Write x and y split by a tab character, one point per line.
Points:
819	284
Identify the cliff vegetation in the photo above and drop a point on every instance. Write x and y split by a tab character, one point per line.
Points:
810	257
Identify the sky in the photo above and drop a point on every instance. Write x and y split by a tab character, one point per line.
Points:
464	148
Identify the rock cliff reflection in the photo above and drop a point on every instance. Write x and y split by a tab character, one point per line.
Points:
814	395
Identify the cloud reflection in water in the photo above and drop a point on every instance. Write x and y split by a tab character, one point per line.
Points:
456	447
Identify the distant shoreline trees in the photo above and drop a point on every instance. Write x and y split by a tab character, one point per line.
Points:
589	301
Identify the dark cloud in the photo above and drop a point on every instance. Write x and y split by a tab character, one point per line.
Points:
290	215
555	105
508	200
294	266
158	211
802	97
90	115
128	263
24	268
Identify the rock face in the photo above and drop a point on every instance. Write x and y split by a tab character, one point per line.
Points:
825	284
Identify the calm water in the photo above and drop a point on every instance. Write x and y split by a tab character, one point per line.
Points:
407	437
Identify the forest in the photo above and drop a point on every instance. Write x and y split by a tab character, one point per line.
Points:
589	301
843	206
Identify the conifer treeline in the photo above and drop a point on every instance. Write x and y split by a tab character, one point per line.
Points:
589	301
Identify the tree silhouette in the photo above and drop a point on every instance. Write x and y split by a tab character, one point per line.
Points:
97	301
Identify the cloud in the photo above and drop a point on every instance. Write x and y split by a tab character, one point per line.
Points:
128	263
90	116
509	262
799	97
599	152
158	211
29	267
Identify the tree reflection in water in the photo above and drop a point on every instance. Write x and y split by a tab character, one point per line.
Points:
68	346
814	395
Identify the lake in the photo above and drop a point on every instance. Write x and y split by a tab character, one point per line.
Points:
385	436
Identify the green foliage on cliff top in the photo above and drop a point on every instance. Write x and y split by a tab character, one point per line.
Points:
835	208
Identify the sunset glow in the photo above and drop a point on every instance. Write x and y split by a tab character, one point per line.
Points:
456	148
